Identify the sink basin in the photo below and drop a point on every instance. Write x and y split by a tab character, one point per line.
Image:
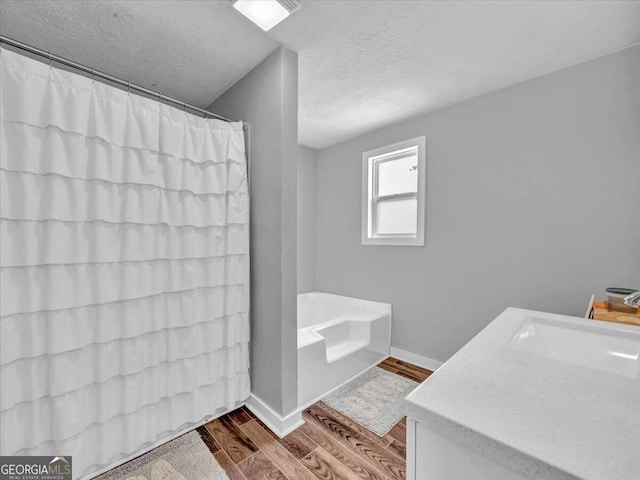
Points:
587	345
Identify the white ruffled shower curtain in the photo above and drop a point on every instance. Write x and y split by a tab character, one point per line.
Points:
124	267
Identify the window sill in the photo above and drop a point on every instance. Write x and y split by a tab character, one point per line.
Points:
394	242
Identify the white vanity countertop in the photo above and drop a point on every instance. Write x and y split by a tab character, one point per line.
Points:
545	418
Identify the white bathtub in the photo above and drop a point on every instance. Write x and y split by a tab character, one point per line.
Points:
338	339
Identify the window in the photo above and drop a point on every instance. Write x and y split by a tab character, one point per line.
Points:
393	183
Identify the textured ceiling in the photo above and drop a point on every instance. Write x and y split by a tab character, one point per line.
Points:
363	64
189	49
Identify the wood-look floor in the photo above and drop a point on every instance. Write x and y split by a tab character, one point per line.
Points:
329	446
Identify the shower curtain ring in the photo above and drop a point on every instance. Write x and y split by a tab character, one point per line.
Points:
129	87
93	75
50	60
185	107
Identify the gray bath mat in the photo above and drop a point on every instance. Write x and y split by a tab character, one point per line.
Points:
374	399
185	458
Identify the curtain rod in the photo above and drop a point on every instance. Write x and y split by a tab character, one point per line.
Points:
105	76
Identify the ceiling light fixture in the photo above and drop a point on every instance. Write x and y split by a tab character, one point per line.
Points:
266	13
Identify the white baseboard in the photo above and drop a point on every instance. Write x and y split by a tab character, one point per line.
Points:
281	426
419	360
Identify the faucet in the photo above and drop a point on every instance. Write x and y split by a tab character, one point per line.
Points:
633	300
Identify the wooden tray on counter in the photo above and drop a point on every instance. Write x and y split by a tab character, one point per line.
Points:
600	312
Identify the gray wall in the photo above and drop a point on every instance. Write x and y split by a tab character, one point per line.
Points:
267	98
533	196
306	220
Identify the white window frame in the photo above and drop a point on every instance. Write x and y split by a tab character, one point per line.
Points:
370	160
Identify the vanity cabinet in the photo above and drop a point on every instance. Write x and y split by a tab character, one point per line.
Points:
519	399
433	456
